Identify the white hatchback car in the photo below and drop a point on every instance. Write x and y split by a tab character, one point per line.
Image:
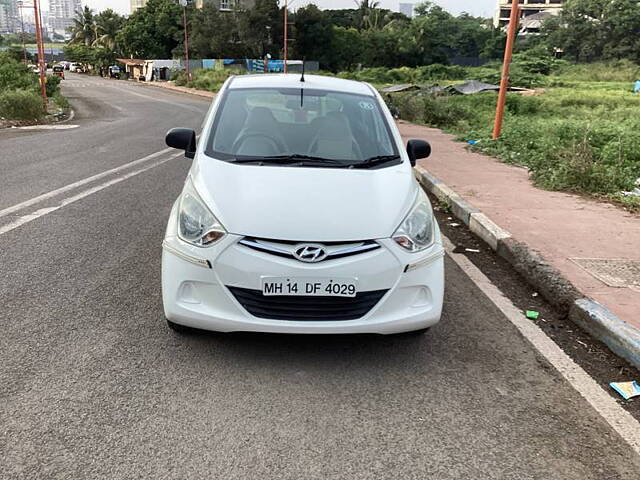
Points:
301	214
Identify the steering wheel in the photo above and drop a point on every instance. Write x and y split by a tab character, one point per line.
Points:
277	146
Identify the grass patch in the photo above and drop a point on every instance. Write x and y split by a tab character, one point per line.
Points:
572	138
205	79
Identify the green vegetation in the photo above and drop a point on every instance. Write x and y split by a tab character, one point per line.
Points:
20	90
204	79
578	136
21	105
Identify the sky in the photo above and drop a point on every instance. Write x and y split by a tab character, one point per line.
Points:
476	7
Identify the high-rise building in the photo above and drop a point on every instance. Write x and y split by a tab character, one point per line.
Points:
406	9
9	16
61	14
527	8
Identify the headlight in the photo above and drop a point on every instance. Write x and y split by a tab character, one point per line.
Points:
415	233
196	224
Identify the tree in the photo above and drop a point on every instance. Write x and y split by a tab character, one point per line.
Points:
152	31
313	33
84	27
260	28
589	30
214	34
107	25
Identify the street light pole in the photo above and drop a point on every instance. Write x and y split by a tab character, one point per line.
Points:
286	29
41	62
504	81
186	38
24	48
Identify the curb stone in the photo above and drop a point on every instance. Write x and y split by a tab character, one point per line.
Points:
589	315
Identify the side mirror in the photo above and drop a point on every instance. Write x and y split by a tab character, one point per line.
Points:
417	149
182	139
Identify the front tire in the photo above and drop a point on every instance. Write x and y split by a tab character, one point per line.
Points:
176	327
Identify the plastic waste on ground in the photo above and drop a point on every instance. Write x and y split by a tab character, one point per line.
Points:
627	390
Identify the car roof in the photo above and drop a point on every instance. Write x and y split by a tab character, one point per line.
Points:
292	80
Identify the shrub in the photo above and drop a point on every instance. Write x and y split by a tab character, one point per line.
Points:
52	85
438	71
61	101
21	104
15	75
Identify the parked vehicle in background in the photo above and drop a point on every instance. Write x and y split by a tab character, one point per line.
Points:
58	70
301	214
114	71
76	67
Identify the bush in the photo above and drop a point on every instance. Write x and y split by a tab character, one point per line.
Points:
61	101
15	75
52	85
204	79
21	104
438	71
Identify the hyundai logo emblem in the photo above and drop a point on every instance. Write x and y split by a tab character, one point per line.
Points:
310	252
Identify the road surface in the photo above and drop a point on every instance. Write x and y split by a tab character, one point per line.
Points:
94	385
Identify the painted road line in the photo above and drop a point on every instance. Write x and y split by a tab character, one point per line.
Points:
79	183
48	127
619	419
79	196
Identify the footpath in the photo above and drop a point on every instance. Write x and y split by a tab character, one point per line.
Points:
582	255
575	250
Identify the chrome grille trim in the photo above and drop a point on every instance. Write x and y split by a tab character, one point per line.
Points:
286	248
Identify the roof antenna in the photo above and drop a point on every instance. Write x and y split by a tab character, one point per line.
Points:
302	77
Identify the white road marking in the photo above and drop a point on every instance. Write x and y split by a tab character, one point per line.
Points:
79	196
48	127
79	183
619	419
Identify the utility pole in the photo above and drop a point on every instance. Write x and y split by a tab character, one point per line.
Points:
184	4
286	29
24	48
41	62
504	81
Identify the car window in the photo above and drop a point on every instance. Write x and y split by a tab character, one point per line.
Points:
318	123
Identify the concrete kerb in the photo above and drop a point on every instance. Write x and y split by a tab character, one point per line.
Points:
592	317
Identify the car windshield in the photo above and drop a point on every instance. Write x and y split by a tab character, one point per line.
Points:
341	128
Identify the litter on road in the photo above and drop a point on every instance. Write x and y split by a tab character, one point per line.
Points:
626	389
472	250
532	314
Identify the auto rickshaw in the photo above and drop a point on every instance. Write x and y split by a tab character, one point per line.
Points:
58	70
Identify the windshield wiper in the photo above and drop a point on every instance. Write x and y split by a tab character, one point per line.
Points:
377	160
293	159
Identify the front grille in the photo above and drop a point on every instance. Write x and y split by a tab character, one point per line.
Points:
305	308
286	248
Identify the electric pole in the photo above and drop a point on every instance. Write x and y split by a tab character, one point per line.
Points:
41	61
286	30
504	81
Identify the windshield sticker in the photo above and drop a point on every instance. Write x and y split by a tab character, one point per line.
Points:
366	105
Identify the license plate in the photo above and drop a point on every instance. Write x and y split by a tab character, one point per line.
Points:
313	287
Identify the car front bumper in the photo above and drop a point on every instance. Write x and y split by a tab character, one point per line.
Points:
196	281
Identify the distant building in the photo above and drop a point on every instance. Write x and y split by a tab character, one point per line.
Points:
406	9
137	4
533	23
61	15
9	16
226	5
527	8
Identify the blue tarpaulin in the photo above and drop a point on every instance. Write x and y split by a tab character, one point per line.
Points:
636	89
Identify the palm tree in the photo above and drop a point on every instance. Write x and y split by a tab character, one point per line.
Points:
368	13
108	24
84	27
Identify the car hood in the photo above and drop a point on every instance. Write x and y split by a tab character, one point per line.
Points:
306	204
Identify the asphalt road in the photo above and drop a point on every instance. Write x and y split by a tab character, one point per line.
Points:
94	385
